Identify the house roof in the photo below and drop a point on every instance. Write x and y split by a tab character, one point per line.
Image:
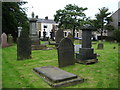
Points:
46	21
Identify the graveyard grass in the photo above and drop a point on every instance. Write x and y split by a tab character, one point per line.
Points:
19	74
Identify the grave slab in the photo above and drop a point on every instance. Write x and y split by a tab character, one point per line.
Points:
56	77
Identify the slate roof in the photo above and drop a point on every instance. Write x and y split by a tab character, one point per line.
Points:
46	21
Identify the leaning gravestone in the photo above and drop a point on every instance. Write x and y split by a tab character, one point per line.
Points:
59	36
4	40
23	46
10	39
56	77
66	53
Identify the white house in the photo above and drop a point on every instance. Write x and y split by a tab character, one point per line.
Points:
45	25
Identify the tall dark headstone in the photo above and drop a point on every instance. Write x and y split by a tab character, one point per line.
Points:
59	36
66	53
23	46
86	53
44	35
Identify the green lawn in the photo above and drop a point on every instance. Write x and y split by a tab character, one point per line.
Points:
19	74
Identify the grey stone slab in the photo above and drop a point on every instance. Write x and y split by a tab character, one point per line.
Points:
59	36
57	77
55	74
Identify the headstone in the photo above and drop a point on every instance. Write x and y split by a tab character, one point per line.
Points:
66	53
44	35
59	36
77	47
86	53
100	46
4	40
10	39
23	46
52	34
70	36
56	77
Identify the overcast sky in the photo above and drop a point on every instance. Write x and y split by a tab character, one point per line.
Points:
48	8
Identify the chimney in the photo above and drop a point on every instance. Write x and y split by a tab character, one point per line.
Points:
46	17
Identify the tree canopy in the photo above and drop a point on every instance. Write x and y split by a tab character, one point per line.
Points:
70	17
102	19
13	16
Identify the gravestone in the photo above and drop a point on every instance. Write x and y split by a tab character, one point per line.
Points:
56	77
23	46
77	47
59	36
52	34
86	53
10	39
100	46
70	36
44	35
4	40
65	53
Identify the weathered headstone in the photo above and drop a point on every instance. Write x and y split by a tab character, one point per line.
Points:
86	53
56	77
10	39
77	47
66	53
23	47
4	40
59	36
70	36
100	46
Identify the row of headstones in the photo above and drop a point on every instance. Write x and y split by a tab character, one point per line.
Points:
6	41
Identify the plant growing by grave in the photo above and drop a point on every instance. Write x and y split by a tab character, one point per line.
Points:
70	17
13	16
102	19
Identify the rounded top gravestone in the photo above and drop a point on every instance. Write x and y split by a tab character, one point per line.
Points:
87	27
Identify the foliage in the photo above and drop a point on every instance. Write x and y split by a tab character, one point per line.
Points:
102	18
70	17
19	74
13	16
117	35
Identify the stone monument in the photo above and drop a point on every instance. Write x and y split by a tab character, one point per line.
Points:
35	42
4	40
10	39
86	53
23	46
66	53
33	33
56	77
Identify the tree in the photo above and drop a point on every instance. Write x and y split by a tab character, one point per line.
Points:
13	16
102	18
70	17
